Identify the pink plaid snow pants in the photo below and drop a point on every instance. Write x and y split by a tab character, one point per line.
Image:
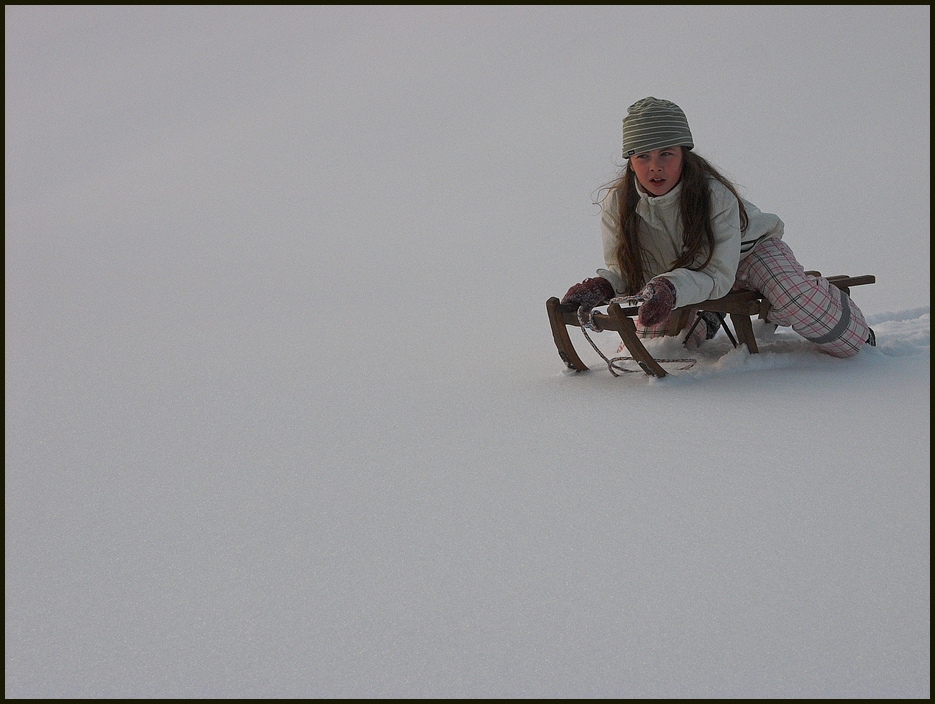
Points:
817	310
662	329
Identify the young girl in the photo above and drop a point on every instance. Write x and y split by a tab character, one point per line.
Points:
676	233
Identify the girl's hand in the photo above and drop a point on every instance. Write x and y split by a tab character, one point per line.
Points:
660	300
589	293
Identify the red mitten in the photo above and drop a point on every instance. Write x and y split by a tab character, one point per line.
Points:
660	300
589	293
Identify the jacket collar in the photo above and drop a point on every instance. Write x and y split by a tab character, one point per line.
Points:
663	200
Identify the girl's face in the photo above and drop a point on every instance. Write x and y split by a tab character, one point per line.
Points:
658	171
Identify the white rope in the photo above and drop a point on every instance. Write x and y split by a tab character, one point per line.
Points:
587	322
628	300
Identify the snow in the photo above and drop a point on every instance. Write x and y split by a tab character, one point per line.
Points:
284	417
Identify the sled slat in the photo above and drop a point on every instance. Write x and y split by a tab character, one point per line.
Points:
566	350
627	330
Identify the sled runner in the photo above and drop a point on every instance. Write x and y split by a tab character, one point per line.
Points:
741	306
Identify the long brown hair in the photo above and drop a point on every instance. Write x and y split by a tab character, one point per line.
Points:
695	211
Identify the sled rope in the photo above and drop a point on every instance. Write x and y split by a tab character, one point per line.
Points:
587	322
627	301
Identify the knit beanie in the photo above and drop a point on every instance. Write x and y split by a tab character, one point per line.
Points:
654	124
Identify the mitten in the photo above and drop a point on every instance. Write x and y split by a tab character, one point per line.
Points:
589	293
659	295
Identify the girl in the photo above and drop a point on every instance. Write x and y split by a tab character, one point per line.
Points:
676	233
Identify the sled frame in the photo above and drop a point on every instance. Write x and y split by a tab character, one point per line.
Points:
741	306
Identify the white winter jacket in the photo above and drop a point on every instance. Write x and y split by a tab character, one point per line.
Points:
661	240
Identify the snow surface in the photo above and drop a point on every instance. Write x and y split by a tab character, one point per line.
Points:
283	412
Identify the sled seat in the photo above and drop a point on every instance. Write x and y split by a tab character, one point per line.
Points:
741	306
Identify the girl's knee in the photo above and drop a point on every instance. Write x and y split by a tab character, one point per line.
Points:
852	339
841	351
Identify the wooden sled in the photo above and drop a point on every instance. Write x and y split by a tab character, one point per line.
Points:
741	306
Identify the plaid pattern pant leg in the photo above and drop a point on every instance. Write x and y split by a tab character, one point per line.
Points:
815	309
662	329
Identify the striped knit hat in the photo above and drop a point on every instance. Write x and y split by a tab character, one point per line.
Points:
653	124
